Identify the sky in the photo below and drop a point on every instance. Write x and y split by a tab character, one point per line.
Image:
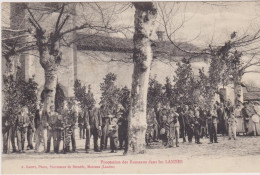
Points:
209	23
205	22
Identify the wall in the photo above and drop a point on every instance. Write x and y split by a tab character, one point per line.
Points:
93	66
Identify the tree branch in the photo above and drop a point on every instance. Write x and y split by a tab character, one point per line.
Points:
33	20
59	17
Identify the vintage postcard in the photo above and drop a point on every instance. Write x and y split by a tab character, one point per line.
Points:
130	87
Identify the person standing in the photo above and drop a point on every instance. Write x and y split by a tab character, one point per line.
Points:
52	119
164	112
212	125
9	133
254	120
203	117
239	119
30	131
113	135
153	125
104	128
229	109
174	128
57	133
245	115
190	125
165	128
40	123
221	118
197	127
23	121
82	130
150	124
70	116
92	123
182	110
158	112
232	127
72	124
122	126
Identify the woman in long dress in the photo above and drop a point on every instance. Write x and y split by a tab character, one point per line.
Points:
254	127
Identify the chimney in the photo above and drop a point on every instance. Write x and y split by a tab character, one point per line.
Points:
160	35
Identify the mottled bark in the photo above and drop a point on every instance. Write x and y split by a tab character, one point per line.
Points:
12	63
145	16
50	62
238	88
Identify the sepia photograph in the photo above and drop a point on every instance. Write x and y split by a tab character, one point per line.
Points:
130	87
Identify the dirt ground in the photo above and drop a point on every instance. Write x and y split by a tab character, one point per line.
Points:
241	155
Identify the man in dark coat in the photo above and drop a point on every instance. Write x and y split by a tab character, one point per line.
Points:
22	121
40	123
245	115
203	117
82	130
30	131
9	132
212	125
58	129
197	127
104	128
70	119
221	118
92	123
122	126
157	113
190	124
51	132
182	111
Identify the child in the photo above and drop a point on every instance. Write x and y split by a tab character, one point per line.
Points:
113	135
232	127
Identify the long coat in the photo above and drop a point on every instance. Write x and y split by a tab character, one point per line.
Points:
92	118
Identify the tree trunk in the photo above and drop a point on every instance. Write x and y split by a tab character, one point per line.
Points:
50	66
12	63
50	87
238	93
145	16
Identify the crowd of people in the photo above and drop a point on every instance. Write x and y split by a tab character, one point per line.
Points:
165	123
171	123
56	126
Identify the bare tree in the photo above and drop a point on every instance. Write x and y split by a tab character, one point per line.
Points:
50	39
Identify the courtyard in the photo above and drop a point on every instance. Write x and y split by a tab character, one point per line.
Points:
241	155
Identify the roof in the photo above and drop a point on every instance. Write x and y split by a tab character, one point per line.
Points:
252	89
115	44
251	94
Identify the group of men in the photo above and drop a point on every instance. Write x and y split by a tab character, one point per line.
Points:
47	125
171	123
166	123
42	127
